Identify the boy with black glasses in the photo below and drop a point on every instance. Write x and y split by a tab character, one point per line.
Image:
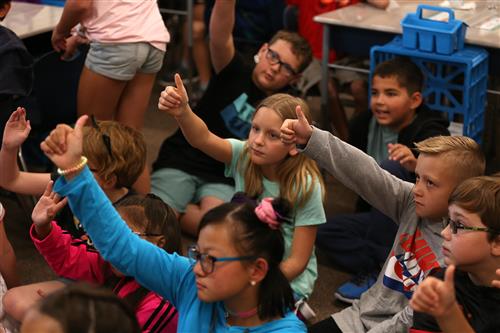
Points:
465	301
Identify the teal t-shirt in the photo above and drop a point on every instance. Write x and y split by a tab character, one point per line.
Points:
312	213
378	138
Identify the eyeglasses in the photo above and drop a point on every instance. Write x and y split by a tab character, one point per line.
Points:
105	137
274	58
207	261
146	234
455	226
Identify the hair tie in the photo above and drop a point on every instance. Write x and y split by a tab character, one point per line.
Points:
265	212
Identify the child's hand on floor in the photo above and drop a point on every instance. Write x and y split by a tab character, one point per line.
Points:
63	146
45	210
434	296
16	130
496	283
174	100
402	154
296	131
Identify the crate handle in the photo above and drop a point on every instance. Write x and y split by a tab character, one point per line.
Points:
450	11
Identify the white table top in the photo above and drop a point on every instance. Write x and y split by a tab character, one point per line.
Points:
364	16
28	19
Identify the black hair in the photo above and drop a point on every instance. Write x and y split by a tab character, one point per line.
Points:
252	237
153	215
407	73
82	308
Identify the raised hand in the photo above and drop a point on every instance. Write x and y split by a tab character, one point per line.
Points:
48	206
434	296
174	100
496	283
402	154
16	130
72	144
296	131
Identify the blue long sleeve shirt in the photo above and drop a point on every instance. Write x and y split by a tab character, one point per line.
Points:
169	275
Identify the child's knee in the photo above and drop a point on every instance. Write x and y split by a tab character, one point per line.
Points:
15	304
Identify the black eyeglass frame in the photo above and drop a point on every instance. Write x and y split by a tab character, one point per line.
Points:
274	58
105	138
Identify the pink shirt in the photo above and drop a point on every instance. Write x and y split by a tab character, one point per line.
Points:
126	21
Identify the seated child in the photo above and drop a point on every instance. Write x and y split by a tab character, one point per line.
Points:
116	154
80	308
471	243
360	242
263	166
232	278
418	209
148	217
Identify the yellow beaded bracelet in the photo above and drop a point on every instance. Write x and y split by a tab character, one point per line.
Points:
78	167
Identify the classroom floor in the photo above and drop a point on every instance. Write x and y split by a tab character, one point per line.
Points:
32	267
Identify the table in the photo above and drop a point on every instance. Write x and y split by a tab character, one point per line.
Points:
355	29
28	19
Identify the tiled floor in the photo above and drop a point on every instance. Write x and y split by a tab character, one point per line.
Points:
32	267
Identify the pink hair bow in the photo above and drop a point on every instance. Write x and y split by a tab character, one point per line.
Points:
265	212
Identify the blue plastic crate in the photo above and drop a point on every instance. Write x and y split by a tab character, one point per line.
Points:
428	35
454	84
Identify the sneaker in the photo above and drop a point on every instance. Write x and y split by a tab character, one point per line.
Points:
352	289
304	311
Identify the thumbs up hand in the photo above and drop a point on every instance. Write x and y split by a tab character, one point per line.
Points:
296	131
174	100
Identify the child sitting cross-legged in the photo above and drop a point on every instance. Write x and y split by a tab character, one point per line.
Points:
417	209
466	301
147	216
264	166
232	279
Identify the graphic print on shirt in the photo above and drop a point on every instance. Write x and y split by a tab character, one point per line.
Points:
407	269
237	116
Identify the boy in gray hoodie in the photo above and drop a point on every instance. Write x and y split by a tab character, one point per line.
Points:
418	209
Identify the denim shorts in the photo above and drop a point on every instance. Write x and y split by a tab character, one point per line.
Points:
178	188
122	61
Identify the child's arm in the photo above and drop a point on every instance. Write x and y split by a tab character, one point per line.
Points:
174	101
402	154
302	247
221	34
381	4
437	298
15	133
74	11
7	256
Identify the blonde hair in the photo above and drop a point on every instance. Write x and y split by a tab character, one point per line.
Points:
481	196
465	155
298	175
128	152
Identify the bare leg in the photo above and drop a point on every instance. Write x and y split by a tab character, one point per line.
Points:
201	55
18	300
134	101
339	118
98	95
192	217
359	91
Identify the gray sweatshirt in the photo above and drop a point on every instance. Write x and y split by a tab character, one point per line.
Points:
416	249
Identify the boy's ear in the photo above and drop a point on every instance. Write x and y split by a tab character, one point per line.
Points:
4	10
495	246
415	100
111	181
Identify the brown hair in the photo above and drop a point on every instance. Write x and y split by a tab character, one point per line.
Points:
481	196
464	154
406	72
298	174
300	47
127	158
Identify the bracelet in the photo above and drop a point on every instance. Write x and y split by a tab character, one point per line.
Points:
78	167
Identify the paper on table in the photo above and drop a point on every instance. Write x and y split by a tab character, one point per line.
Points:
461	5
491	24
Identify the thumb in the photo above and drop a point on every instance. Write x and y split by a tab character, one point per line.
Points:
80	123
180	86
300	115
449	277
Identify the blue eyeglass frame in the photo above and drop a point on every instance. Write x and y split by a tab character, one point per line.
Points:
194	254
